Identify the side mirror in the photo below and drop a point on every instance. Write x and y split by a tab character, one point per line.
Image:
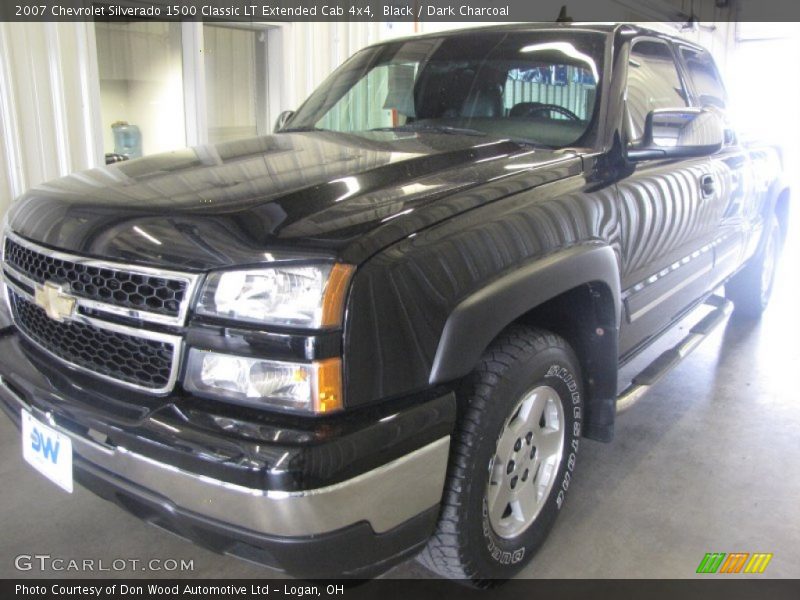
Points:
679	133
282	119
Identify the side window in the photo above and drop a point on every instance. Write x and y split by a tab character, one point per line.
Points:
704	77
653	82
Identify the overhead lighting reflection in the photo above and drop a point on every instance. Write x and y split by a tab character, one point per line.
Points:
567	49
352	185
400	214
491	158
519	166
146	235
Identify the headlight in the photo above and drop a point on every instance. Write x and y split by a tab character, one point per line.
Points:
309	387
310	296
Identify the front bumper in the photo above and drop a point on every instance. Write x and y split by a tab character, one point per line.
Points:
306	518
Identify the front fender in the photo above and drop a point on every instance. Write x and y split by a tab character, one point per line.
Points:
482	315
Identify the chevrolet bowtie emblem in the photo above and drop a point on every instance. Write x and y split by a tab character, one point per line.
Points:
57	304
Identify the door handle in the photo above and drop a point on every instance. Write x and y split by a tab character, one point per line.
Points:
707	186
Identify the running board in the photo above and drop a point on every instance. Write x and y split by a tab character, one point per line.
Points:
668	360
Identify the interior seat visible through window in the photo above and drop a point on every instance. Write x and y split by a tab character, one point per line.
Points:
486	101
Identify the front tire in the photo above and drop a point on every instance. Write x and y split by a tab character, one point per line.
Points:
512	458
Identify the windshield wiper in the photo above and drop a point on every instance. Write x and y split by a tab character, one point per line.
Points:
413	127
463	131
434	128
302	129
527	142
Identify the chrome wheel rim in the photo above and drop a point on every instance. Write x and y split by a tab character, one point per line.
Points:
525	463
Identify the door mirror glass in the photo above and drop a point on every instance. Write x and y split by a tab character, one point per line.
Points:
282	119
679	133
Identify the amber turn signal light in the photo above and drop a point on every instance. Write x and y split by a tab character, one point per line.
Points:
328	388
335	295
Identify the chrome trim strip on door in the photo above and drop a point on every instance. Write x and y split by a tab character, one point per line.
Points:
681	262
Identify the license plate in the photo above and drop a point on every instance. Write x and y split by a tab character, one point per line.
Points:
47	451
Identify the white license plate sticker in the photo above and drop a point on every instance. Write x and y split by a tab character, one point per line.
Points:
47	451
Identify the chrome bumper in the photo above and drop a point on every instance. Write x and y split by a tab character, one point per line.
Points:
385	497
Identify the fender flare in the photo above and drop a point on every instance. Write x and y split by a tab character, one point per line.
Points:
481	316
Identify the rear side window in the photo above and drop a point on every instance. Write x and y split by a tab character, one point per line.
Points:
653	82
704	77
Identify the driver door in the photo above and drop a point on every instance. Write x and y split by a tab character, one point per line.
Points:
669	209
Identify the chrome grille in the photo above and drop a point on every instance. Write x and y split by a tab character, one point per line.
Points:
96	337
118	356
149	292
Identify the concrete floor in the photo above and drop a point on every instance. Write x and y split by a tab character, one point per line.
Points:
709	461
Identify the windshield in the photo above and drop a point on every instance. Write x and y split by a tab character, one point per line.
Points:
539	86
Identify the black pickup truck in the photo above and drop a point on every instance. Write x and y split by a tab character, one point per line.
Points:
384	330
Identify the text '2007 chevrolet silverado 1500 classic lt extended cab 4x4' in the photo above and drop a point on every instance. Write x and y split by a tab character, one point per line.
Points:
384	330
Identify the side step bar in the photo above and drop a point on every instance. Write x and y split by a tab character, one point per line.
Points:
668	360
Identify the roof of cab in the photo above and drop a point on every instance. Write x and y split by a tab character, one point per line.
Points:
606	28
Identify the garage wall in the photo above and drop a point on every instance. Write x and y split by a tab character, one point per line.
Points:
45	104
140	71
232	115
5	185
8	137
764	86
312	50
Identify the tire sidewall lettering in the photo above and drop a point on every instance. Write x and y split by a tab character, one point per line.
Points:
498	549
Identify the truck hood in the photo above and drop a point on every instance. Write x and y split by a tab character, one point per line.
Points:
243	202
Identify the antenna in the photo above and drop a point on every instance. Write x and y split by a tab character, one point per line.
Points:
562	15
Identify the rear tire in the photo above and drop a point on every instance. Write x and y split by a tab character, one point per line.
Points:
512	458
751	288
